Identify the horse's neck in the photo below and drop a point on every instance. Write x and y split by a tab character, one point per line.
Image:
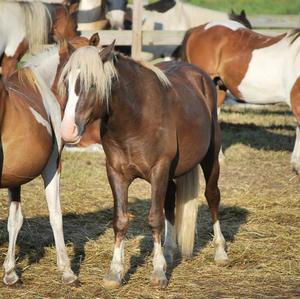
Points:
46	66
126	101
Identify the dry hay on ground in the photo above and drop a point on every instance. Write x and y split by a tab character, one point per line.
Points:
260	217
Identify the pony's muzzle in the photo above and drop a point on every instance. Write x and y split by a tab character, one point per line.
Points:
70	132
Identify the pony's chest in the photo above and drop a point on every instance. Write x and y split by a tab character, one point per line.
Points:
264	81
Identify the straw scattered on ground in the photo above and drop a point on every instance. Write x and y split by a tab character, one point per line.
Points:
260	218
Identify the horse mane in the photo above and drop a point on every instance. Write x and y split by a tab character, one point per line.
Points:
27	78
36	23
293	35
94	72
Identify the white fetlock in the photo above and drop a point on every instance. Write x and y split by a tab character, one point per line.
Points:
221	257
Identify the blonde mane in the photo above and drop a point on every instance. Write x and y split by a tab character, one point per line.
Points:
27	78
36	23
92	72
158	72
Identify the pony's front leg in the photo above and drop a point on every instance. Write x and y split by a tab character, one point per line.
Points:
295	160
15	221
295	103
51	177
159	183
119	185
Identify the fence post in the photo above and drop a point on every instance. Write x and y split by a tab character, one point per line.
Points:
136	48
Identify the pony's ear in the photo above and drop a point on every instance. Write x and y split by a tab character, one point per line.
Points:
243	13
94	40
73	7
106	53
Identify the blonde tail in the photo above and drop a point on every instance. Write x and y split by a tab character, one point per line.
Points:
187	189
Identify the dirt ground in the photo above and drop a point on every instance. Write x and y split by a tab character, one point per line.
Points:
260	219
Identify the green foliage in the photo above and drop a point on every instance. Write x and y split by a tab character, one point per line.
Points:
252	6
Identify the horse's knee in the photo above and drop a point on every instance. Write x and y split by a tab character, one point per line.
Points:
156	221
121	224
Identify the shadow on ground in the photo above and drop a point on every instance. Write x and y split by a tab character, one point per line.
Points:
257	137
36	234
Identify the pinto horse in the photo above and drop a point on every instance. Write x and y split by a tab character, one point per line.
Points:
30	115
31	24
255	68
157	123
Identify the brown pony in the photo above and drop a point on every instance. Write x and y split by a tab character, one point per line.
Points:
256	68
31	25
30	117
158	124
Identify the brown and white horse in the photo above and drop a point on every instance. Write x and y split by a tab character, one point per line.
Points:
30	118
157	124
255	68
31	24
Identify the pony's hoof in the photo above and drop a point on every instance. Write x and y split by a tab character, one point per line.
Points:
222	263
296	168
159	280
112	281
12	279
70	278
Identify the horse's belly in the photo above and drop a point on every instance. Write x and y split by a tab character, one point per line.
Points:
263	83
24	161
26	150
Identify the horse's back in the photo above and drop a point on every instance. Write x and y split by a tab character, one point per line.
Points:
192	80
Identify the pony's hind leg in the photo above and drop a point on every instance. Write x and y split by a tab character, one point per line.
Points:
119	186
295	103
170	239
15	221
159	183
295	160
51	177
211	170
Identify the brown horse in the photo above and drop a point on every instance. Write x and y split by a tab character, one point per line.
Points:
32	25
157	124
253	67
30	117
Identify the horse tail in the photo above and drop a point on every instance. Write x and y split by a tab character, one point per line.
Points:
36	22
183	52
187	189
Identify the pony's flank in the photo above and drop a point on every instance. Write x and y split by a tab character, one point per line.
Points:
36	16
